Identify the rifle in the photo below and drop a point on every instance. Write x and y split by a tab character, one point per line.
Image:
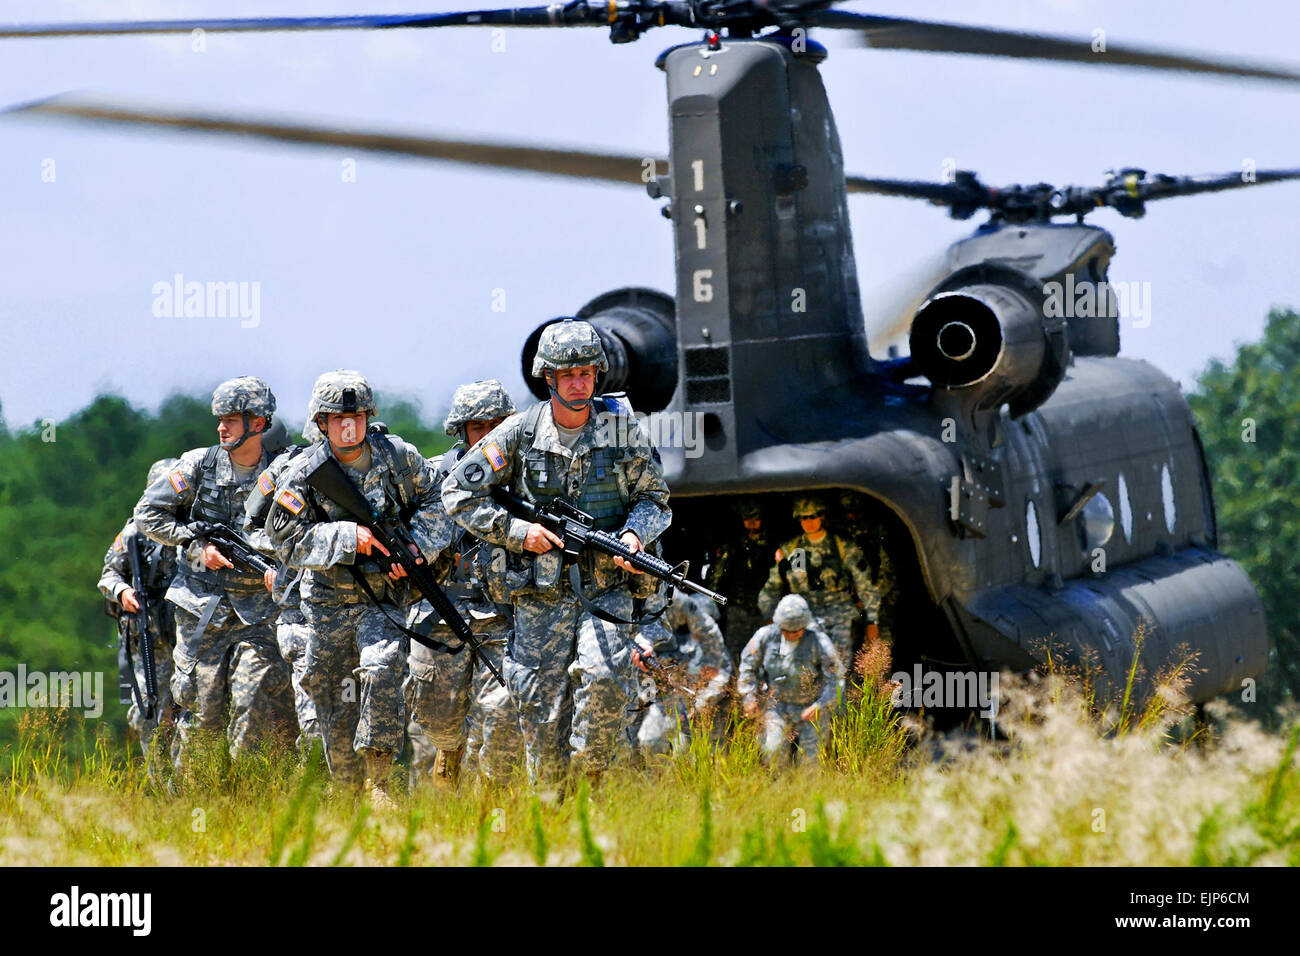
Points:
329	479
233	546
577	529
148	701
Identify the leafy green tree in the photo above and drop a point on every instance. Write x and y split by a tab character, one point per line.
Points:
1249	417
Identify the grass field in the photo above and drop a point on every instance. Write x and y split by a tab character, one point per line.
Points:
1063	785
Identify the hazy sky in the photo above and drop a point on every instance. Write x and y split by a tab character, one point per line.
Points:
395	273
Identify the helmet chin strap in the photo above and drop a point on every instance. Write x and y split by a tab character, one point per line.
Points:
232	446
571	406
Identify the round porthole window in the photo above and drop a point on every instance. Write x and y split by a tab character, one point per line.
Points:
1032	533
1098	521
1167	498
1125	510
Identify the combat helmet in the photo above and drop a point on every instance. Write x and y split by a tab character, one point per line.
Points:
806	506
569	343
248	396
792	613
748	508
477	401
342	392
160	468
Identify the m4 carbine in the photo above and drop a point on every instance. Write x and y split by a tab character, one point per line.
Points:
148	701
233	546
578	531
330	480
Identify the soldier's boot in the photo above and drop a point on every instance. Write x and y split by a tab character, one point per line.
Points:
379	781
446	767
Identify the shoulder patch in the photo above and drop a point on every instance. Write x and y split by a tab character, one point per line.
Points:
474	473
179	483
291	501
117	544
265	483
494	456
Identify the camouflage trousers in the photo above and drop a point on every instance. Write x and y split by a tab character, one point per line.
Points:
354	665
742	622
572	678
837	614
161	627
451	702
291	632
230	665
781	725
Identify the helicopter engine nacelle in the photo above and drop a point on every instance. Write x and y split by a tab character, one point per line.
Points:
639	334
991	338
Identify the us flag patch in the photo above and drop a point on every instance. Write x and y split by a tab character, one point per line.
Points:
291	501
265	483
494	456
117	543
179	483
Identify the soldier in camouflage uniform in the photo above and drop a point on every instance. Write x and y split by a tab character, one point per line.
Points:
115	584
226	656
349	634
570	672
871	542
739	571
828	571
447	696
687	636
795	665
291	626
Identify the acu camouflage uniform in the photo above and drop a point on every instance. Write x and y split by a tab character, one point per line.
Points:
739	571
160	564
687	636
291	626
793	675
226	654
871	541
831	574
348	635
569	672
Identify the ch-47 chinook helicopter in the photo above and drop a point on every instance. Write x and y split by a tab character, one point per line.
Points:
995	457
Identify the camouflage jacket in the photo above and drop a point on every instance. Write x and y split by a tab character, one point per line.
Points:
173	502
810	672
160	563
327	547
508	458
829	568
688	634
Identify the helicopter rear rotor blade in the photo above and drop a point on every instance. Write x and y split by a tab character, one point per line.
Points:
899	33
581	164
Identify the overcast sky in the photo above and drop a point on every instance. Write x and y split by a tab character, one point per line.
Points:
395	273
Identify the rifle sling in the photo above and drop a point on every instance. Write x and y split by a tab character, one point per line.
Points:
575	581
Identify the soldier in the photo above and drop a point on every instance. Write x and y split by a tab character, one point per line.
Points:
797	667
828	571
739	571
225	654
569	666
685	635
871	541
291	626
446	696
353	610
115	584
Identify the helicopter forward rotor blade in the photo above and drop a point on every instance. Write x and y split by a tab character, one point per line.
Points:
899	33
559	162
941	194
1164	187
582	13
